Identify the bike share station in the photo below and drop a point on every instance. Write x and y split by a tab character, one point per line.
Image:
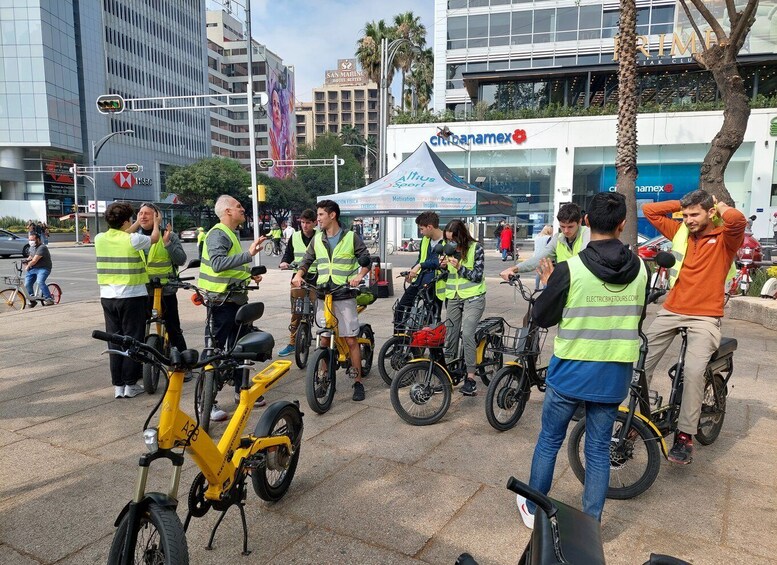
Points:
420	183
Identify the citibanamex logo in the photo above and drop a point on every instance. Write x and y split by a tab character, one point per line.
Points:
654	188
124	180
519	136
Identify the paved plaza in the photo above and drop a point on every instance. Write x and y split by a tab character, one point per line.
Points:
369	488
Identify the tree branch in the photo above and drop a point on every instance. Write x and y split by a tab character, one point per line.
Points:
710	19
732	11
743	25
695	27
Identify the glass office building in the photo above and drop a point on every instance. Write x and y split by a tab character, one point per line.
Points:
540	58
58	56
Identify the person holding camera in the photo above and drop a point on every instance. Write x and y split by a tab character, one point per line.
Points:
465	292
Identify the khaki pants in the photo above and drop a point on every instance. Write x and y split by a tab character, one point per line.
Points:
295	318
703	340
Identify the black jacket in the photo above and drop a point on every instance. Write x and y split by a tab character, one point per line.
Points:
608	259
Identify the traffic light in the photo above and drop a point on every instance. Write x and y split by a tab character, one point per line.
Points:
110	104
132	168
261	193
266	163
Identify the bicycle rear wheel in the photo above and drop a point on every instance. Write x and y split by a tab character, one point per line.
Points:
420	396
55	291
12	299
394	354
206	395
302	343
634	465
272	480
151	373
320	380
367	350
712	412
161	538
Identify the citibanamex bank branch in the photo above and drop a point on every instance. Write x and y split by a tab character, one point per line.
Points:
543	163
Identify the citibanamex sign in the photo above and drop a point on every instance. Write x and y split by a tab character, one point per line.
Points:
128	180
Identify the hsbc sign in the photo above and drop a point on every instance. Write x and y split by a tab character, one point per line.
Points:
128	180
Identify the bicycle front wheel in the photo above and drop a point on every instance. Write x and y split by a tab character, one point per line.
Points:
55	291
206	395
161	539
507	396
394	354
634	464
151	373
302	343
367	350
320	381
420	394
272	480
11	299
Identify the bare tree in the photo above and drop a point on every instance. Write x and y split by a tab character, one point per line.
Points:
720	58
626	144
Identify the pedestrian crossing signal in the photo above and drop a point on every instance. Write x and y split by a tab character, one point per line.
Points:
110	104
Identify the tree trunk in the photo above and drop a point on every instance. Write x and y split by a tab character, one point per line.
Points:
736	113
626	145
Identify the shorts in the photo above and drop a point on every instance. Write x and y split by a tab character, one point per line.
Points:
345	312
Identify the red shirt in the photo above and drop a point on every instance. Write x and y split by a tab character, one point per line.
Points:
699	291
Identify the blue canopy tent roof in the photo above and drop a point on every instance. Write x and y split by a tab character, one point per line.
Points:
419	183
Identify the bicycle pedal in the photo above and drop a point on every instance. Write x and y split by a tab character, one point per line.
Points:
257	461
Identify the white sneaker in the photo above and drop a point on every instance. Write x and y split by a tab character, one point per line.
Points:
118	391
217	414
523	510
131	391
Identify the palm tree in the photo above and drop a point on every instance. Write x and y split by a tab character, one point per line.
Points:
368	49
408	26
420	81
626	144
352	136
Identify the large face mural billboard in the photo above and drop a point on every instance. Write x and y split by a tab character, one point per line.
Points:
280	92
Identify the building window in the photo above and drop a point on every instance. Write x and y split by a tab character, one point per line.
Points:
477	31
457	32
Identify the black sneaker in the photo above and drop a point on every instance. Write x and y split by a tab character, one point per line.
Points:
470	387
358	391
682	450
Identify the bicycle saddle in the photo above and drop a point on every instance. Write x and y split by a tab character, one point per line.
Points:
727	347
248	313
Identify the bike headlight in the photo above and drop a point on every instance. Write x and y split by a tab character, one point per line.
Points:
150	438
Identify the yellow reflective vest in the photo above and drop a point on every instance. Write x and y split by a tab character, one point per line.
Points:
218	282
158	262
298	247
439	287
460	287
118	262
562	251
341	266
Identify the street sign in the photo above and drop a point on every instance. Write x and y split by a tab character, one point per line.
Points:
110	104
132	168
266	163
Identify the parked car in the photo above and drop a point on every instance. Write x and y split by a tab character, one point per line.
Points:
12	244
188	235
750	248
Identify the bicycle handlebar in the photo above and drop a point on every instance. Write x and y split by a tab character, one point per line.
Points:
535	496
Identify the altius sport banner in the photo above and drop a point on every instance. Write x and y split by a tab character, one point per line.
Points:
422	182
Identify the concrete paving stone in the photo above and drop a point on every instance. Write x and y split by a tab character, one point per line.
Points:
620	540
401	507
8	556
91	383
763	389
8	437
389	437
736	458
751	518
762	423
490	510
45	368
93	554
322	546
314	467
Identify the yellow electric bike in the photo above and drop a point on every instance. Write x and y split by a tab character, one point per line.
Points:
148	529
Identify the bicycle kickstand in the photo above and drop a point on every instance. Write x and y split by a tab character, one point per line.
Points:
240	506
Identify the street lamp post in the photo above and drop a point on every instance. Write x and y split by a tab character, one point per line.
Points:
96	148
367	151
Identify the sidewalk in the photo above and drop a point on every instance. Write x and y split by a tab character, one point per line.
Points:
369	488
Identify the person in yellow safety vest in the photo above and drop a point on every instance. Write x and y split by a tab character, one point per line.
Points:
570	241
295	251
200	239
597	298
121	274
465	292
335	252
161	261
225	263
704	245
429	225
276	234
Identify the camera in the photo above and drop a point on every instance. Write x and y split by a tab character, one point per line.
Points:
450	250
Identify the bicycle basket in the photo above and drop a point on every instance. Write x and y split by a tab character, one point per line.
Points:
411	318
12	281
429	337
523	340
365	298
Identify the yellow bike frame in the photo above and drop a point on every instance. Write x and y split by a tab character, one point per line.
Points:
157	307
218	463
330	321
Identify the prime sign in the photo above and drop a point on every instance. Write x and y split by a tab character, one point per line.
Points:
517	137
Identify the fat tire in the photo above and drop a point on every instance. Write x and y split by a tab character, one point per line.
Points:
709	437
401	381
501	390
291	420
652	465
322	404
302	342
367	351
152	373
171	539
9	302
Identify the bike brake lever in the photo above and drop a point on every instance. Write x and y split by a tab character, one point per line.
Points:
110	351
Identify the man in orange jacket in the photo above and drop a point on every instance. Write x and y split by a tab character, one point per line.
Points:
704	246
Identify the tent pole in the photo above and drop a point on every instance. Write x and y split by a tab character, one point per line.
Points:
336	182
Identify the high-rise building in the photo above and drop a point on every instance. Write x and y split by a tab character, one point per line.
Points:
275	126
305	131
59	56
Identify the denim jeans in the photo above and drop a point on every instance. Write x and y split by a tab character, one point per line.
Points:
557	412
41	275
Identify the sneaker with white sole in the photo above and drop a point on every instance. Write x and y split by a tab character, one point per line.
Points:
217	414
118	391
523	510
257	404
131	391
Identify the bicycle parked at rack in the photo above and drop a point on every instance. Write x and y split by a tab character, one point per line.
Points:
321	378
148	529
642	425
396	351
562	535
16	296
421	390
510	389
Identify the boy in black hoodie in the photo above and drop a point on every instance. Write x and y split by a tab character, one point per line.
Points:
598	299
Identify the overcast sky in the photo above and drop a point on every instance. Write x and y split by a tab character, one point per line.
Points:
313	34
